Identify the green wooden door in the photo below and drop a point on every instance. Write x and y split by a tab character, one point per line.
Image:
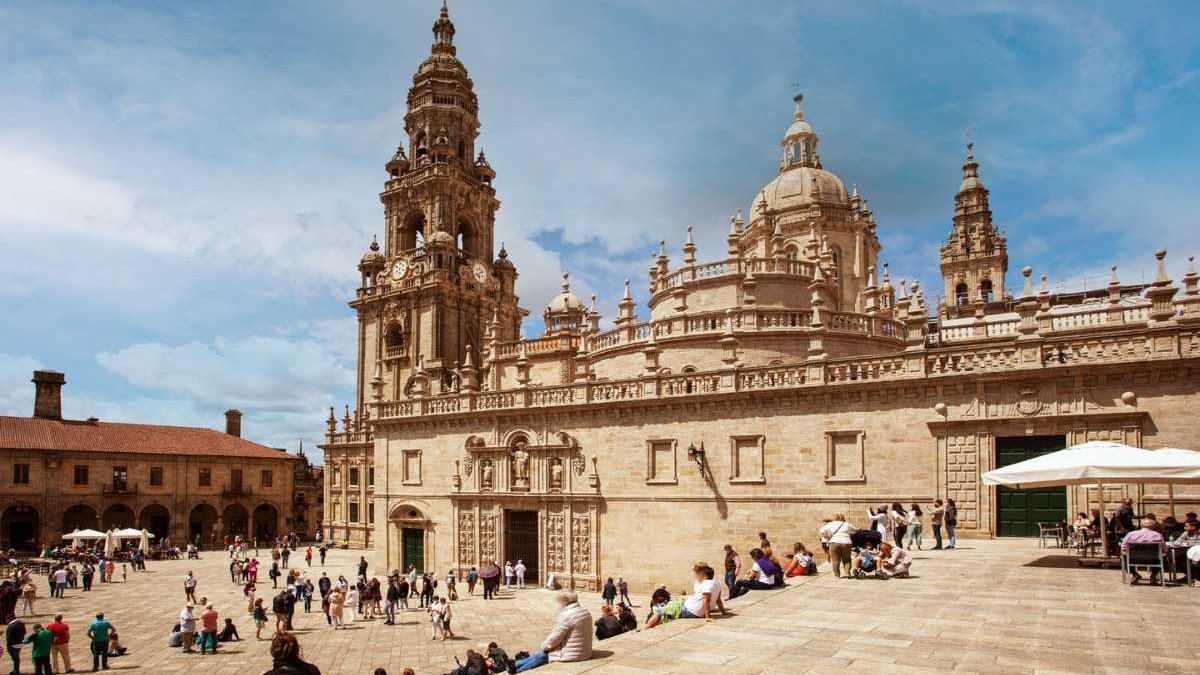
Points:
1020	511
414	548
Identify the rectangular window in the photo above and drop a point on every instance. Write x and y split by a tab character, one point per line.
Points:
235	479
21	474
205	477
156	476
660	461
81	474
120	477
268	478
411	467
353	476
845	453
746	459
370	476
354	512
371	512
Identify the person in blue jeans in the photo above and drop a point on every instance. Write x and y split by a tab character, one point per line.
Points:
14	637
99	631
571	638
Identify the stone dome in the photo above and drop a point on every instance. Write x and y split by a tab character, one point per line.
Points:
793	189
372	258
566	301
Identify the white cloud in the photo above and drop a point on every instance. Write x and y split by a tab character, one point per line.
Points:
16	391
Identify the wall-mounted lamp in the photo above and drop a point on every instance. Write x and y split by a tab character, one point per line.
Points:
697	455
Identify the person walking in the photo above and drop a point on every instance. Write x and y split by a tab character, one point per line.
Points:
392	600
402	591
321	550
337	605
306	591
837	532
308	556
508	574
609	592
915	526
60	581
519	570
88	574
623	591
189	587
99	631
60	647
14	638
260	617
274	574
951	521
472	579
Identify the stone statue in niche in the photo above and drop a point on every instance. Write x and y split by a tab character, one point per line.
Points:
556	474
520	465
485	475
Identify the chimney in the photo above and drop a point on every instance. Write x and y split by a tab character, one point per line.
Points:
233	422
47	402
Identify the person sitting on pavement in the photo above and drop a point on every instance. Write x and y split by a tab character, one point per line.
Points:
1148	534
893	561
801	562
866	561
626	617
664	608
571	638
761	576
706	594
608	625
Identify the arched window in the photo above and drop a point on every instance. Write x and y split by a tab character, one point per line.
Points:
467	238
961	294
422	147
985	290
791	252
412	233
393	341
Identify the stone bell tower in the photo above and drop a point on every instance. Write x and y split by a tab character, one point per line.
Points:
434	294
975	255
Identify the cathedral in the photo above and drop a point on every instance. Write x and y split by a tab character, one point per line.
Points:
762	387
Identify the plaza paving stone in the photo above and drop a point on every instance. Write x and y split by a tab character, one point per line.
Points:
996	606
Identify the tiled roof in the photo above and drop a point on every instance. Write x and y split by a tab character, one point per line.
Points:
32	433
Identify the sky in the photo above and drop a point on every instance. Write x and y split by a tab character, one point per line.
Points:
186	188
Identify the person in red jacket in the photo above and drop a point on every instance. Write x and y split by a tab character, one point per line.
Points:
60	647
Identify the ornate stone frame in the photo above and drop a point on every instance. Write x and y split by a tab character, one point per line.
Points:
651	478
860	437
734	460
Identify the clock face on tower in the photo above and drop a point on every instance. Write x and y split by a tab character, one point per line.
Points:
399	270
480	272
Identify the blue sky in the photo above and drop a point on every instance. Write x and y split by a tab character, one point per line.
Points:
185	188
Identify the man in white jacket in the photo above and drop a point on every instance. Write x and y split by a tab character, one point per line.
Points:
571	638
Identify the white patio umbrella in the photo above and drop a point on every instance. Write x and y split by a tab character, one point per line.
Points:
109	544
84	534
144	543
1097	463
128	533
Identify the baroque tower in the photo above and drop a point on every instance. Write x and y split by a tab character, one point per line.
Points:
434	296
975	255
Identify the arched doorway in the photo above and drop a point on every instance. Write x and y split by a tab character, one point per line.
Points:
156	520
266	522
410	525
20	528
237	520
201	521
119	516
80	517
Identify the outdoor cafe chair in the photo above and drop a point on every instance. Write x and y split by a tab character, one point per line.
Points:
1051	531
1144	556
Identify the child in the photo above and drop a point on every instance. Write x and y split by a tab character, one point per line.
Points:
124	572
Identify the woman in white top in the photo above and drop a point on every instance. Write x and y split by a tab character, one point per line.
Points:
898	521
837	532
915	526
706	594
879	521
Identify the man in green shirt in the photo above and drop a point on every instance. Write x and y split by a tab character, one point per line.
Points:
41	639
99	632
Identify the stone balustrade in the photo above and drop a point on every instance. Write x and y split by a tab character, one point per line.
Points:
1041	353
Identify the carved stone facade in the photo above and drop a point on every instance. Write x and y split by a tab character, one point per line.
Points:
787	379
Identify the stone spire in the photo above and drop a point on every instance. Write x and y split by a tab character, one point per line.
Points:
974	257
443	32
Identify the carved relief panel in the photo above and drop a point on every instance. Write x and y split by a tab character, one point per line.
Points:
556	543
466	537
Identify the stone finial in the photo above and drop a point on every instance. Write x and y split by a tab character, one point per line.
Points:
628	295
689	248
1160	277
593	309
1112	280
1027	291
1044	289
1191	280
566	282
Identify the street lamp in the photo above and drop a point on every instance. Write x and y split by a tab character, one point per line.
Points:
697	455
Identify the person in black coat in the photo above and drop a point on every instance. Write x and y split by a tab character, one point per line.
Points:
286	658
